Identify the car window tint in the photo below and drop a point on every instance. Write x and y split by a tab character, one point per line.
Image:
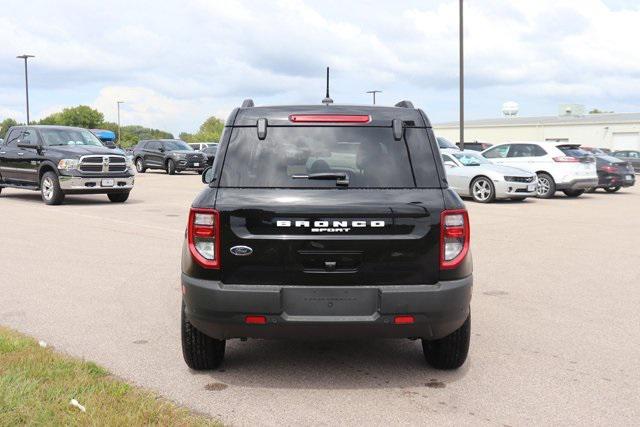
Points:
524	150
497	152
29	136
633	154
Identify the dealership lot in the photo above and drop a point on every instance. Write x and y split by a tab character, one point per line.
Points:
554	333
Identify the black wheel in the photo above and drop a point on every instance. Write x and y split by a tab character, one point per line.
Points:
482	190
50	189
140	165
200	351
171	167
573	193
546	186
591	190
612	189
451	351
118	197
518	199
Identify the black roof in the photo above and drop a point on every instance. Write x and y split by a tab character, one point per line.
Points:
279	115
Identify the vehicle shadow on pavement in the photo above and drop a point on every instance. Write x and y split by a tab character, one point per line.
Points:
331	365
81	199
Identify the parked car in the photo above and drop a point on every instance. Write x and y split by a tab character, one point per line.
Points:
210	152
200	146
594	151
631	156
475	145
471	175
556	168
445	143
613	174
318	224
61	160
170	155
605	150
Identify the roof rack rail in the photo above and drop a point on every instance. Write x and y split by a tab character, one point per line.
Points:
405	104
247	103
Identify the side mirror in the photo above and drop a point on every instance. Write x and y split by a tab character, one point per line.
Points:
450	164
207	176
161	149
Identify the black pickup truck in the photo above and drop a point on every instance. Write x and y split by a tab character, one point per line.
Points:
327	222
60	160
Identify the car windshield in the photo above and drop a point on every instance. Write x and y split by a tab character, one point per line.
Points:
470	159
177	145
59	137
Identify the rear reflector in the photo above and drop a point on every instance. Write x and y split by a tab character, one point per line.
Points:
454	237
329	118
403	320
255	320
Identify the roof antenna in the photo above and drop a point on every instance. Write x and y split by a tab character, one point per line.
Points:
327	100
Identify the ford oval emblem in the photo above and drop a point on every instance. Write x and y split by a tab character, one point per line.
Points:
241	250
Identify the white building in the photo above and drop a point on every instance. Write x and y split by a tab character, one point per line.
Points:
617	131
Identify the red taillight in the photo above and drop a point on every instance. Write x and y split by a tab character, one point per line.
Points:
329	118
454	237
609	169
255	320
203	234
403	320
566	159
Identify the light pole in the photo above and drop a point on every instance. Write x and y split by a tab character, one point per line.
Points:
461	37
119	102
26	79
373	92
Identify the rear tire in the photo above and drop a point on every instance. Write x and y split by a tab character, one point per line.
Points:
573	193
50	189
482	190
200	352
546	186
118	197
140	165
171	167
591	190
612	189
451	351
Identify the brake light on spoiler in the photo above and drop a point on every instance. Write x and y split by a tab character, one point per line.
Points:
329	118
203	236
454	237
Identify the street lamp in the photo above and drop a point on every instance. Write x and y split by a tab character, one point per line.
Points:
26	79
461	37
373	92
119	102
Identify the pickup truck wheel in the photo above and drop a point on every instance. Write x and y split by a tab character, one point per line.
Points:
50	189
573	193
200	352
171	167
118	197
612	189
140	166
451	351
546	186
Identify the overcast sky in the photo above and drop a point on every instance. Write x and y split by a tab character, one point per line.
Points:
175	63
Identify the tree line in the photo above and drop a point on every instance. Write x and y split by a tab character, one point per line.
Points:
86	117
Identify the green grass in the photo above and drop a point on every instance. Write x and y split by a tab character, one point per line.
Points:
37	384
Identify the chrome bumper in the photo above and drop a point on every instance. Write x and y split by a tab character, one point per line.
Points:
68	183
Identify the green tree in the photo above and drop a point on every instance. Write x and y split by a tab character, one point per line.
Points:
5	125
81	116
134	133
596	111
210	130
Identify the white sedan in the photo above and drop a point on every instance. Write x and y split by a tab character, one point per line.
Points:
471	175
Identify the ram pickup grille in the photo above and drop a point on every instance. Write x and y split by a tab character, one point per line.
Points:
519	178
103	164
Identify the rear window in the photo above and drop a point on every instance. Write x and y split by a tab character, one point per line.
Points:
574	151
369	156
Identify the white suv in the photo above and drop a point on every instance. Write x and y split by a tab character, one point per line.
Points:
557	166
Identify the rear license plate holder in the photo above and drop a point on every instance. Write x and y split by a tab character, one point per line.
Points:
330	301
628	177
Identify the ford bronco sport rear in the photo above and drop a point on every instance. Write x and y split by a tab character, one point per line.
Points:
327	222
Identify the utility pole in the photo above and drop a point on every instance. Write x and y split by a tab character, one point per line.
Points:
373	92
119	102
26	80
461	37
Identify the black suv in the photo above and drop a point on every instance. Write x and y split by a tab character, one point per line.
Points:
60	160
170	155
327	222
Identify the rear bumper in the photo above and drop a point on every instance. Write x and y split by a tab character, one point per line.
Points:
617	180
219	310
578	184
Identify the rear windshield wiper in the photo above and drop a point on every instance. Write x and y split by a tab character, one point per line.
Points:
341	177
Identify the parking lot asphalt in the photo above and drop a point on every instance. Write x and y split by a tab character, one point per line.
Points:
555	329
